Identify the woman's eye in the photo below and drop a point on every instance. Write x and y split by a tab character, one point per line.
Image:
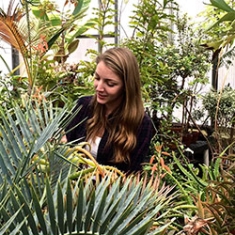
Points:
110	84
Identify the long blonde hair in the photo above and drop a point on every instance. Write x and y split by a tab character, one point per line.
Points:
123	126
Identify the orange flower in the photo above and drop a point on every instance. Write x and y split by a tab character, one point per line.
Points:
38	94
152	159
164	166
154	168
42	46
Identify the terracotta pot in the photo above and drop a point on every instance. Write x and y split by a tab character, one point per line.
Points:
187	139
195	135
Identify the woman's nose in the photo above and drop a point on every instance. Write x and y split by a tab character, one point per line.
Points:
99	86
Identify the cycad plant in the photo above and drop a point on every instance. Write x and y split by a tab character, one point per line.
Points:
39	193
80	207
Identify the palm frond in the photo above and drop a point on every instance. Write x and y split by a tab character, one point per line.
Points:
26	132
84	207
10	33
9	30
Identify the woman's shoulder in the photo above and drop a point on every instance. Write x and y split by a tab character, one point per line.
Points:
84	100
83	105
146	118
147	124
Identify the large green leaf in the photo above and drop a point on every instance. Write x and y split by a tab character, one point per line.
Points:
222	5
230	16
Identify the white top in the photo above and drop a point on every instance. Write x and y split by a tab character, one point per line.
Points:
94	146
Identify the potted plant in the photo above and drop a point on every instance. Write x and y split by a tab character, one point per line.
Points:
221	110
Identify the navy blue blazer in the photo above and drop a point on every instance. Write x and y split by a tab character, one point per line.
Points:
146	132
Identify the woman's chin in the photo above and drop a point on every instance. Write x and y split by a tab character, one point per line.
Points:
100	100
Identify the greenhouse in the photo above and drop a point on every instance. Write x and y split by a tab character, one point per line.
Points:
117	117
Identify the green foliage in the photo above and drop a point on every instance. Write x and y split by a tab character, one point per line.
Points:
61	27
25	131
83	208
151	26
38	198
221	110
173	64
152	23
206	193
51	36
219	28
221	105
35	201
219	201
105	25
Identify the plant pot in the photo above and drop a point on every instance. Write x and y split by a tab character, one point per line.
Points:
187	138
195	135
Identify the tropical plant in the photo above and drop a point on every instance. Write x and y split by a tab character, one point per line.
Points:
173	64
219	35
45	190
151	26
216	207
223	24
44	36
220	108
79	207
205	202
105	24
188	64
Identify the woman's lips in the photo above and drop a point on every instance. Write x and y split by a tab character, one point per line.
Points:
100	96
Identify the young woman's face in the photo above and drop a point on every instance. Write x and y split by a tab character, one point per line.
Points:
108	86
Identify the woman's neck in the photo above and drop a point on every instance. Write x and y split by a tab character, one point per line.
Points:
110	108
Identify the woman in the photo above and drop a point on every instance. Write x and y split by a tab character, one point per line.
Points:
113	120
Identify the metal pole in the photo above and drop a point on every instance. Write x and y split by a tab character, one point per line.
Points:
116	18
